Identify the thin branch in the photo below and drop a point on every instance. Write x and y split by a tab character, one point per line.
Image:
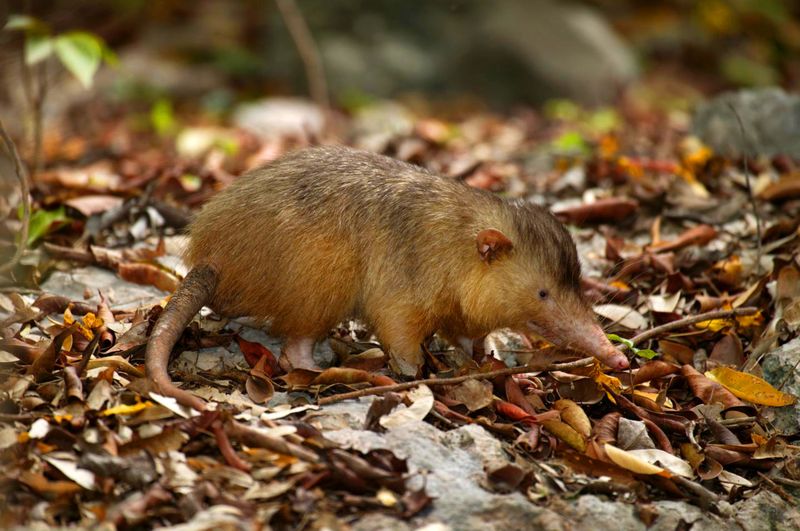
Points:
307	49
25	192
690	320
749	189
34	92
38	120
583	362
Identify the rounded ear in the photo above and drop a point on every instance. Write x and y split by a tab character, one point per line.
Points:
492	244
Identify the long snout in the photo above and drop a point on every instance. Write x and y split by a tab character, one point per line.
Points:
595	343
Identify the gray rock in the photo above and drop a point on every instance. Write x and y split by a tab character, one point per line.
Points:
452	466
568	49
770	116
673	514
765	511
781	368
121	294
373	521
593	512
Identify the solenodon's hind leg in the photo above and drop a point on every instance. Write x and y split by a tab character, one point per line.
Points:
298	353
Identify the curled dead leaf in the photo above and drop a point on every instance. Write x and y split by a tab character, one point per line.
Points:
148	274
574	415
421	404
605	430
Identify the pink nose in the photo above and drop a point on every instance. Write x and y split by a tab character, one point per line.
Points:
615	359
598	345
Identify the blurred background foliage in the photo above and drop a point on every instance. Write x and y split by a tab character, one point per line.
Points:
495	53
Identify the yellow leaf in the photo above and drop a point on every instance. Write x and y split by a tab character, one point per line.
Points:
631	462
749	321
126	409
610	382
92	322
744	321
68	317
715	325
565	433
749	387
619	284
67	344
85	332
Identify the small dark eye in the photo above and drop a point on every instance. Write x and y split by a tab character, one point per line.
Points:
543	294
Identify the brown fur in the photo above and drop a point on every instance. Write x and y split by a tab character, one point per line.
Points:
327	233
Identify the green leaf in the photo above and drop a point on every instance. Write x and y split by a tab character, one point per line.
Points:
162	117
571	142
81	54
642	352
645	353
38	47
604	121
44	222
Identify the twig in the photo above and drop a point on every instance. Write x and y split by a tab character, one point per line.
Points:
690	320
307	49
737	422
35	95
749	189
25	191
584	362
777	489
788	482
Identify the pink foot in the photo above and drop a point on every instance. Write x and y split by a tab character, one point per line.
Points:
298	353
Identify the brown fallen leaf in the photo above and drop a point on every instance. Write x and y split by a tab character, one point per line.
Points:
254	353
605	430
148	274
785	188
259	385
707	390
595	467
653	370
474	394
46	487
44	364
697	235
515	395
601	211
341	375
104	313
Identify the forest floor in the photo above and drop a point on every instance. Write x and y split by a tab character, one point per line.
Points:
701	432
